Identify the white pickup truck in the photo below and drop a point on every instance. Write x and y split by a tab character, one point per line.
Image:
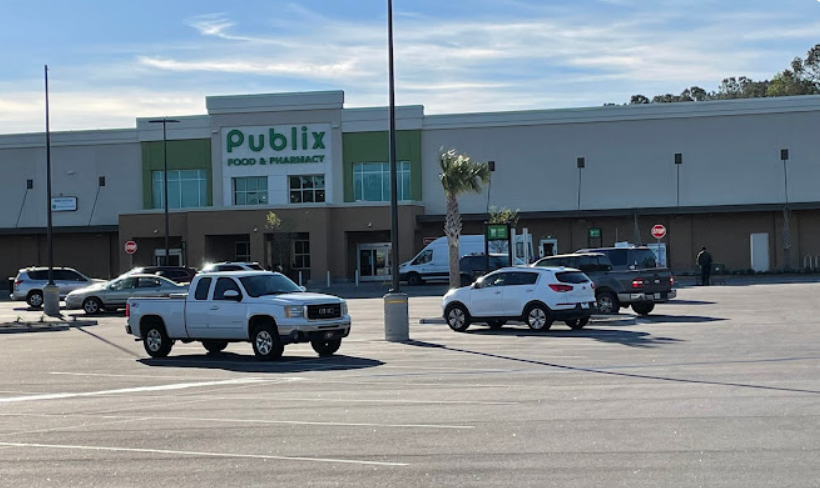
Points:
263	308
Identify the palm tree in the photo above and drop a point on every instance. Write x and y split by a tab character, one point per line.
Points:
458	175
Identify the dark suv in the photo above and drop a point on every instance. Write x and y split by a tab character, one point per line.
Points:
473	266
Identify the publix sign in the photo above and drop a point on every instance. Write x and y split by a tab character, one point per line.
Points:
267	145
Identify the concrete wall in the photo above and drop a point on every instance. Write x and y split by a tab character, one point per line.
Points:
731	155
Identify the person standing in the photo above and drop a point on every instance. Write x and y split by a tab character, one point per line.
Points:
704	260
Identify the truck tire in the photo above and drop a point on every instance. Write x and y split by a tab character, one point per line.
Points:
326	347
608	303
577	324
457	317
643	308
267	345
215	346
35	299
92	306
537	317
413	279
156	342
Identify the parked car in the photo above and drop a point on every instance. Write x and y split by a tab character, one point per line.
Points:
263	308
473	266
114	294
179	274
535	296
231	266
29	283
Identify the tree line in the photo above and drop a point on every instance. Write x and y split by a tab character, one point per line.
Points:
801	78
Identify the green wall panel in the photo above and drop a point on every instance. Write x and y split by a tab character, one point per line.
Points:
182	154
373	147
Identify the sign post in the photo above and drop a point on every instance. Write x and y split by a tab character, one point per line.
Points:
496	232
659	232
130	249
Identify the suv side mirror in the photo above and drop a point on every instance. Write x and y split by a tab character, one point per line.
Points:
232	295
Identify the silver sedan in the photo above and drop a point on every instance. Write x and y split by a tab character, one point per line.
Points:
112	295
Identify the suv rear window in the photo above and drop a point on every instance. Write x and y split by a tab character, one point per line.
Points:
40	275
571	277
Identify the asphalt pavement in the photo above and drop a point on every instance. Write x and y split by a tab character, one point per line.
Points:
718	388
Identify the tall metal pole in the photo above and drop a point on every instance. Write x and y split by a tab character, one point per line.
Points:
394	205
396	313
49	243
165	190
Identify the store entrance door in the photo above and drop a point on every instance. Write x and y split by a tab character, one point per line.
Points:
374	262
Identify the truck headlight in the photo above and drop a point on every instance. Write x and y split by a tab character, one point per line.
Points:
344	307
294	311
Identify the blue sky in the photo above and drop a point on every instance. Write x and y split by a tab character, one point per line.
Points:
112	61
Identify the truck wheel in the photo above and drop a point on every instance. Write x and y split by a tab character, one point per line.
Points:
458	318
326	347
577	324
538	317
608	303
35	299
215	346
266	343
92	306
643	308
414	279
156	342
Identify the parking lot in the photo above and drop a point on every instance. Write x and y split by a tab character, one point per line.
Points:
718	388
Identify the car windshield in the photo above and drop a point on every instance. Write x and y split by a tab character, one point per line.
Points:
269	284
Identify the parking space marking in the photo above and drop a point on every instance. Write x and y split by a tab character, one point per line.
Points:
200	454
129	418
139	389
139	376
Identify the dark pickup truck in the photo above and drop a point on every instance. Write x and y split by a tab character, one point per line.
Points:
640	284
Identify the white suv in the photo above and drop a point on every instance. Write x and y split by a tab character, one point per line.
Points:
535	296
29	283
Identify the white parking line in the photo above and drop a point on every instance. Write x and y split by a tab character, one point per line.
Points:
139	389
157	418
199	453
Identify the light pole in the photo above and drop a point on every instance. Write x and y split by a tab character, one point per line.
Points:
51	293
165	121
581	164
678	163
784	156
396	316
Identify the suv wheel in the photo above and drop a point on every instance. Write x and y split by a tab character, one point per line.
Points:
458	318
35	299
538	317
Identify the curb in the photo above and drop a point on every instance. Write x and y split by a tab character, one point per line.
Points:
18	327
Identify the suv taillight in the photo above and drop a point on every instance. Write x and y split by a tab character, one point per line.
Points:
671	280
560	288
637	283
127	310
17	283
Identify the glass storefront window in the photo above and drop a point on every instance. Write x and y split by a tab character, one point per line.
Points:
251	190
307	189
371	181
186	188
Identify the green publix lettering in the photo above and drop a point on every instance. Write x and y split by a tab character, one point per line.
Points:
278	141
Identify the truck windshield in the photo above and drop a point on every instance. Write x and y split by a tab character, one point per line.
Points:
272	284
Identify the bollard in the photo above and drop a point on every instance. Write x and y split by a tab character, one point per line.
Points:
51	300
396	319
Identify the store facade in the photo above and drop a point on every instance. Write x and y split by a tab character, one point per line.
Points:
713	173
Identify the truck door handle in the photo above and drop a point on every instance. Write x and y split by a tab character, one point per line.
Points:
214	307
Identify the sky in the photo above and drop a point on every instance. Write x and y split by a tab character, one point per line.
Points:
112	61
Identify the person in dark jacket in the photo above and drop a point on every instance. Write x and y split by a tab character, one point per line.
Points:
704	260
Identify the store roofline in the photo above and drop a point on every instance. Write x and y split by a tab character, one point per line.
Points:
77	229
629	212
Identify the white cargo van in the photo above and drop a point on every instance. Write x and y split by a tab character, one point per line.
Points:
433	262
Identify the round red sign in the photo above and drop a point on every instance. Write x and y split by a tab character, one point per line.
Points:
658	231
130	247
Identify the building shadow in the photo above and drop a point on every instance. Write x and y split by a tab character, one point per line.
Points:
244	363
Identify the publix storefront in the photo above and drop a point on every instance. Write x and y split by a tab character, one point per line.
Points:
323	171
